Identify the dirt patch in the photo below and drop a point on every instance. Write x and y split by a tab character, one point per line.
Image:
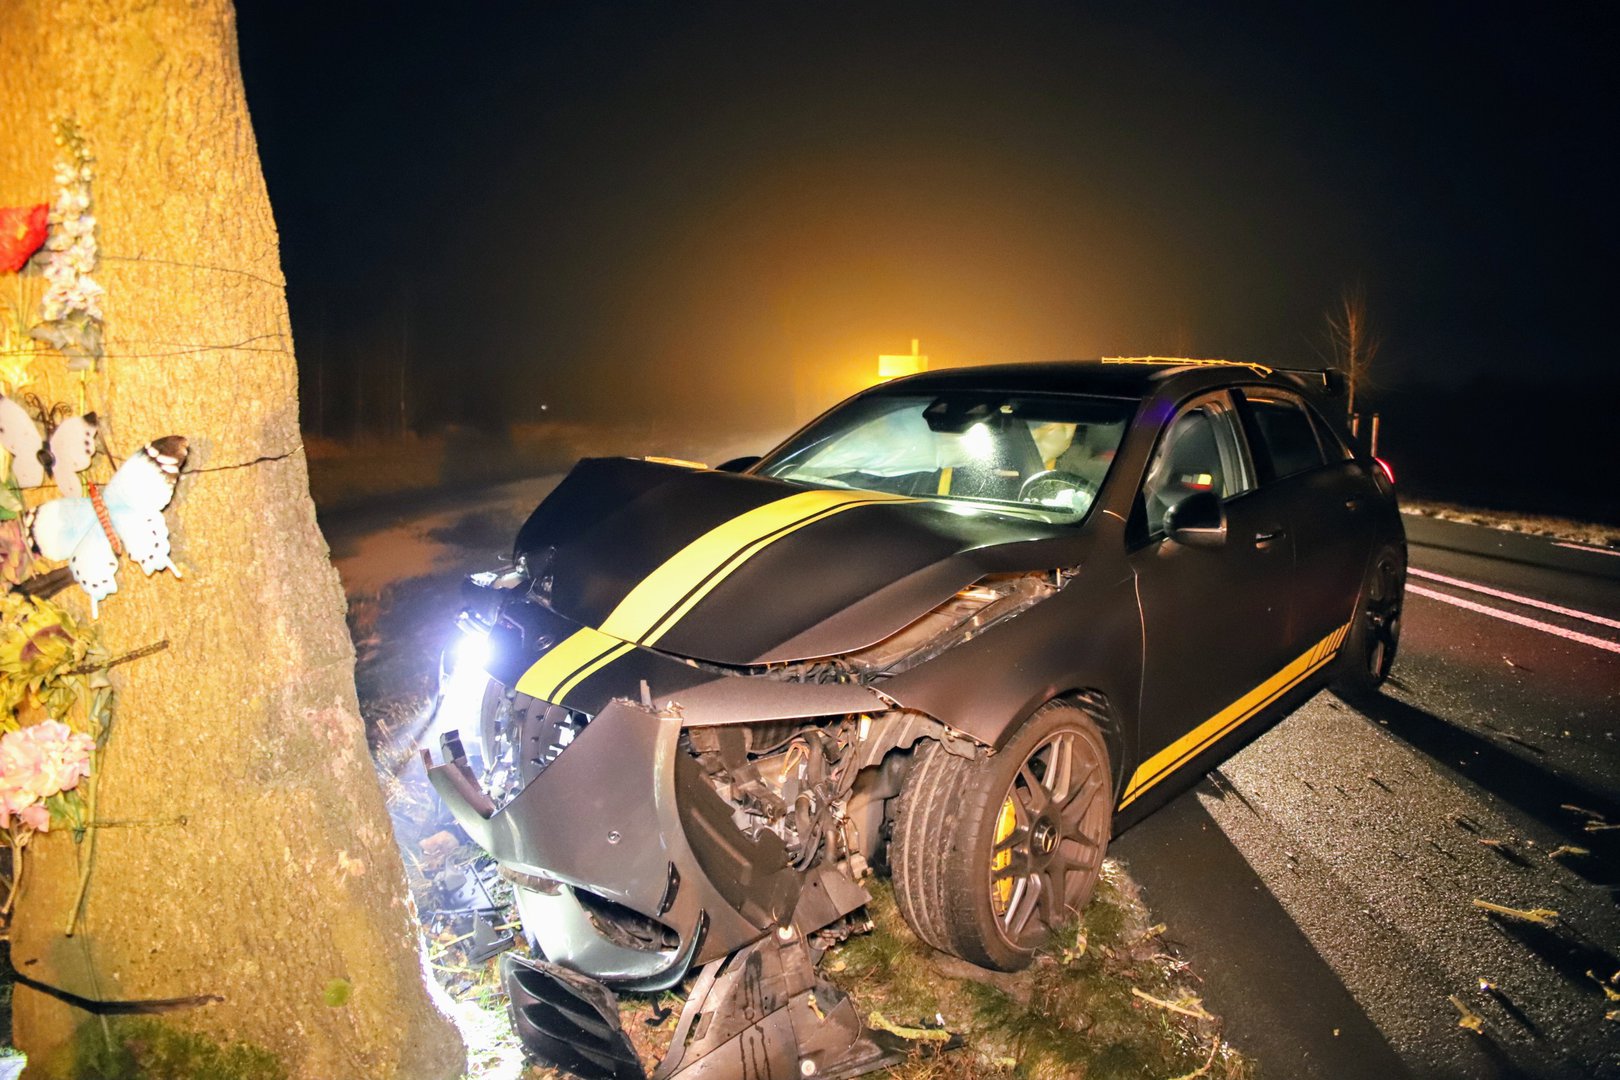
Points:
1554	528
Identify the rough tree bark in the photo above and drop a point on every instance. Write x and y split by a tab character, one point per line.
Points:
248	853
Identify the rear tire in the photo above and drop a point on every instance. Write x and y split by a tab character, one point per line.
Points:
1375	629
992	854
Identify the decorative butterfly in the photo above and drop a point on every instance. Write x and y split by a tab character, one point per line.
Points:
65	454
126	515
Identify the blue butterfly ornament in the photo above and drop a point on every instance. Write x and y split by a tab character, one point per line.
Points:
125	516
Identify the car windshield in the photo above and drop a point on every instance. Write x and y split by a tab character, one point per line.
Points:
1038	455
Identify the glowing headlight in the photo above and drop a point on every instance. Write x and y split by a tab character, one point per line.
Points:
462	680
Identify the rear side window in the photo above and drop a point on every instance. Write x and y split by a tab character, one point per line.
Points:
1334	446
1289	437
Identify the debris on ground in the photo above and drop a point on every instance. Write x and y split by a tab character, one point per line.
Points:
1540	916
1470	1019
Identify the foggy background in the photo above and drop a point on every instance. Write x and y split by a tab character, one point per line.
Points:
720	214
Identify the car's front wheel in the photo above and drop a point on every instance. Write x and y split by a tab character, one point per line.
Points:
991	854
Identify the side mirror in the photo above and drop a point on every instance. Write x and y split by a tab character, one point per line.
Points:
738	464
1199	520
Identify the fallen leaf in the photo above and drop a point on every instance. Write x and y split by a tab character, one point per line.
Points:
1566	849
877	1020
437	848
1470	1019
1187	1006
1539	916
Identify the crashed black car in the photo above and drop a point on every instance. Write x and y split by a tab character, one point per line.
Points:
960	630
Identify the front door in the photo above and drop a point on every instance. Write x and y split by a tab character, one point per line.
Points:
1215	620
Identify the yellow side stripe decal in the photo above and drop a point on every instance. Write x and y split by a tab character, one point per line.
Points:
1178	753
661	599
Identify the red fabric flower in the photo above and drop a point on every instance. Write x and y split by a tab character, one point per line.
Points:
22	231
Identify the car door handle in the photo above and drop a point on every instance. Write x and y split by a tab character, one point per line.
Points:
1352	503
1261	539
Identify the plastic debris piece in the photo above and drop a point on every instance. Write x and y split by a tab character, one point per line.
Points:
488	939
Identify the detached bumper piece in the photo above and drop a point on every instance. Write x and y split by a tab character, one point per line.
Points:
569	1021
760	1012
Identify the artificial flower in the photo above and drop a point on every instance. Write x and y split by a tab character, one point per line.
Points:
14	554
37	762
22	232
36	639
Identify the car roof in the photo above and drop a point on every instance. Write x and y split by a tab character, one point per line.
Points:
1114	376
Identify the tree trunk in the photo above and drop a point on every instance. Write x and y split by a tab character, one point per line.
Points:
246	854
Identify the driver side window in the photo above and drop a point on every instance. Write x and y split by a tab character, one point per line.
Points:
1199	451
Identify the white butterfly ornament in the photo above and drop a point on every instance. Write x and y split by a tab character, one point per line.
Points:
125	516
67	453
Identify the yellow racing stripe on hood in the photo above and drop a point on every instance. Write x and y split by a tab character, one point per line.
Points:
661	599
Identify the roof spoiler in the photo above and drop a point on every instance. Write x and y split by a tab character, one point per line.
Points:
1328	381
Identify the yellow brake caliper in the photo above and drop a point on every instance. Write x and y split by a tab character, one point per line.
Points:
1001	890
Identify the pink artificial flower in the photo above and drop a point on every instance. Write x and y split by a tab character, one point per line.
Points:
36	762
14	554
22	231
36	817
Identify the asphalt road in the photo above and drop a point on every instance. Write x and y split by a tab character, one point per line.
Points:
1323	880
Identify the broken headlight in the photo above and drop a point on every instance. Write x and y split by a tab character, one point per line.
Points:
521	736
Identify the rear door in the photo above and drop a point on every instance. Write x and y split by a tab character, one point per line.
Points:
1331	508
1214	619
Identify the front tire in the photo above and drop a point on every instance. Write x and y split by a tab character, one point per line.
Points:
992	854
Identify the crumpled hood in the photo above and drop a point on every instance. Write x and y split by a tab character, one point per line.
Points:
742	570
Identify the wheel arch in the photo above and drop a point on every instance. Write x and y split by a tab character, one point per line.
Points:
1097	704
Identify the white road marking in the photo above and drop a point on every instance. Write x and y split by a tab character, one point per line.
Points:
1515	597
1586	547
1584	639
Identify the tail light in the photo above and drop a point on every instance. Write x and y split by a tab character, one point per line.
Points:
1389	473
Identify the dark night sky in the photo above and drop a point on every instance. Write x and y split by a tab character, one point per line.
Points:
578	203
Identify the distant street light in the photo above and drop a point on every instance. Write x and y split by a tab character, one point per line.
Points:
892	367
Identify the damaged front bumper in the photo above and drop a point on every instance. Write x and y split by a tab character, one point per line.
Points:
621	838
630	869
